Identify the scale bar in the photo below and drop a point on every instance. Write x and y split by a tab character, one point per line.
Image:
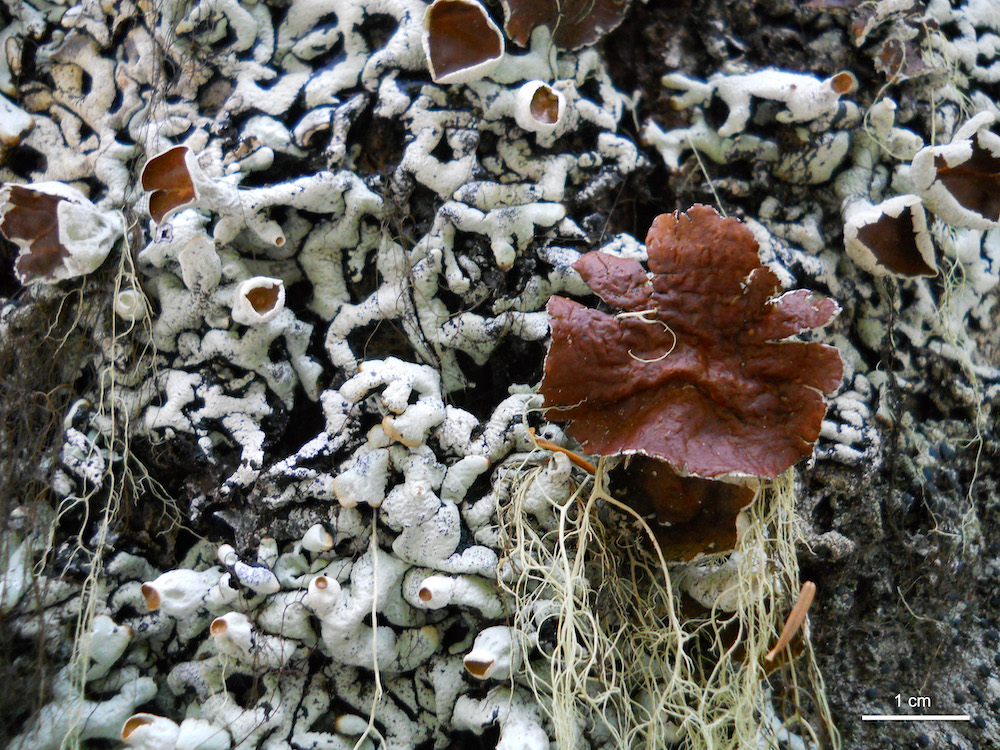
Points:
915	717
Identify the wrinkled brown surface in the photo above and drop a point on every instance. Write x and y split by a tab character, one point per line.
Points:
167	176
33	217
573	23
460	37
975	183
692	515
730	396
894	243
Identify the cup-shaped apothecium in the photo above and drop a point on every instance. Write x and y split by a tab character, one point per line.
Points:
150	732
493	654
317	539
60	233
258	300
172	179
322	595
957	181
178	593
539	108
130	304
461	41
891	238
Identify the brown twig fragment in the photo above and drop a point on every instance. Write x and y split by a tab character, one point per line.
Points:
575	458
795	619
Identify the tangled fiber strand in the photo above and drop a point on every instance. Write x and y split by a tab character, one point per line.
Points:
612	651
126	355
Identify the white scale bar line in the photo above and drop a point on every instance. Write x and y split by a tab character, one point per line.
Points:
916	717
